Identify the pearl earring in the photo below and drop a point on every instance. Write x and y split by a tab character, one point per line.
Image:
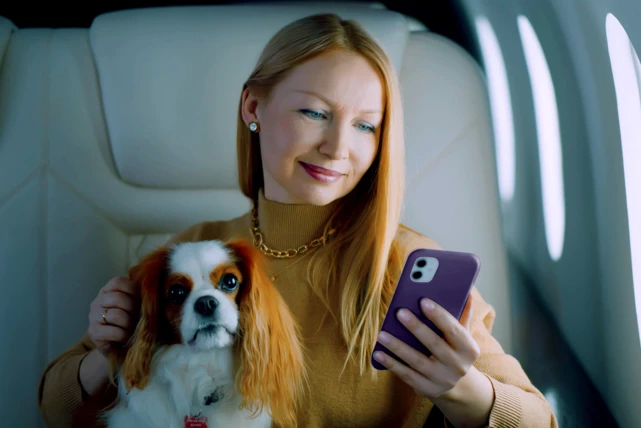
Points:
253	126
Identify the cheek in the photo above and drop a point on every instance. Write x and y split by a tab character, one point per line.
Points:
282	140
363	157
232	299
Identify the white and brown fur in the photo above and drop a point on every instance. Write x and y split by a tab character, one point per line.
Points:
206	346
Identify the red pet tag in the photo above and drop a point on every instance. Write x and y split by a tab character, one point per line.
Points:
195	422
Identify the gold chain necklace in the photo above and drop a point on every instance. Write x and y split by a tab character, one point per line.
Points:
285	254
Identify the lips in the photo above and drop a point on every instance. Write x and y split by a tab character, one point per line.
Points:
321	174
321	170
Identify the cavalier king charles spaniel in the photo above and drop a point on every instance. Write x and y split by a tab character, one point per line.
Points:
215	346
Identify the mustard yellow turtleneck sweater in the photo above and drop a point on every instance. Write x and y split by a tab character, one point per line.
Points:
351	400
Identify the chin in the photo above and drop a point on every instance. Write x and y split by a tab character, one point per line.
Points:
215	346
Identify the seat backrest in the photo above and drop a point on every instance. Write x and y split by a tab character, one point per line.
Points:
114	137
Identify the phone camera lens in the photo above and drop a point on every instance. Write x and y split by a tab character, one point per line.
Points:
421	263
417	274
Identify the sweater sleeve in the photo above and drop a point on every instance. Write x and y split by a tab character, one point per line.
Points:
517	402
61	398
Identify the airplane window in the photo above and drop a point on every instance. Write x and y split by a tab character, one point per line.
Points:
626	70
549	138
501	106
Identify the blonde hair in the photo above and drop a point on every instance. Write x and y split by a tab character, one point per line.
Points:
360	269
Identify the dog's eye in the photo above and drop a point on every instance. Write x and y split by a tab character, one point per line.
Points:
177	294
229	282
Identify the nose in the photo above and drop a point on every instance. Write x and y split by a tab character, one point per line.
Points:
205	305
336	145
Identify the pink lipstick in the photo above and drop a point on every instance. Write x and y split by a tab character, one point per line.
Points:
321	174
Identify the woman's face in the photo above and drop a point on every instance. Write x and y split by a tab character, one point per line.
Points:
319	129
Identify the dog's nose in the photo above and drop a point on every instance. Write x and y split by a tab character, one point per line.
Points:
205	305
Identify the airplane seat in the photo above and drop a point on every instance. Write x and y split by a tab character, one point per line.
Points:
116	136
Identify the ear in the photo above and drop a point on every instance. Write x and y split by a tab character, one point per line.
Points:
249	106
272	368
147	277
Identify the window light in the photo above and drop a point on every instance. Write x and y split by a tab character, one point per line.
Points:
626	70
552	398
501	106
549	139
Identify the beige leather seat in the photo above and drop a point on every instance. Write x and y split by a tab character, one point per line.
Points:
116	136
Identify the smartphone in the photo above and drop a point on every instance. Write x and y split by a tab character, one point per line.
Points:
445	277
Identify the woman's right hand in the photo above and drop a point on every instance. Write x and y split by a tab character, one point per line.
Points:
118	303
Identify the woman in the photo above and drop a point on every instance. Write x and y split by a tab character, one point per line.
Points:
320	152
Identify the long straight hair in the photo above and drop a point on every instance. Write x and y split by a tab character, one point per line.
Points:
358	272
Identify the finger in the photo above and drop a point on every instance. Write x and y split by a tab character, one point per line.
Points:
122	284
466	317
415	359
453	332
116	317
99	332
407	374
440	349
118	299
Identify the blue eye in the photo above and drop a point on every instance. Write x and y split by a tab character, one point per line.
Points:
313	114
366	128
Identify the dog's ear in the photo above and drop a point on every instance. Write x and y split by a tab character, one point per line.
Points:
147	277
272	369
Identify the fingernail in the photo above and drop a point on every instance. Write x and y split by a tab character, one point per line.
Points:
378	356
404	315
428	305
383	337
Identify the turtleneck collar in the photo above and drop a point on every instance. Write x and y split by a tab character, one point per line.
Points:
286	226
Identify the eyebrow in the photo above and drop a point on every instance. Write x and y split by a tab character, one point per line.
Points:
327	101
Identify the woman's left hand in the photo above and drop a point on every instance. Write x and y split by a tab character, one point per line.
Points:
452	356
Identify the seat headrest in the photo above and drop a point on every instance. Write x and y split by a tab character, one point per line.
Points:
171	80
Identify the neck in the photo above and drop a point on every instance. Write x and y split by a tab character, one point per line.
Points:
286	226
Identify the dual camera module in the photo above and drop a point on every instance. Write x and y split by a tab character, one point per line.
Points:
424	269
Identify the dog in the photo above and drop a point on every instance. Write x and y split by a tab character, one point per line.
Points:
215	346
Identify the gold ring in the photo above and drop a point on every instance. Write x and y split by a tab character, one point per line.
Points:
104	316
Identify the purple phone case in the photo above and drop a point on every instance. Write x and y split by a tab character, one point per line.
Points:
450	288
